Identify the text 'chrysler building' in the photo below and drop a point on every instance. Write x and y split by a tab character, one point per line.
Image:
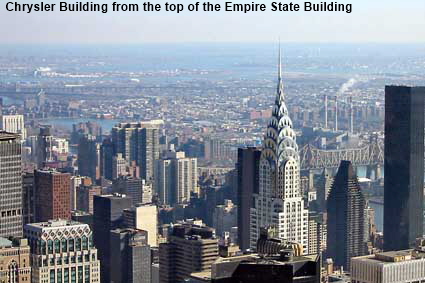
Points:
279	204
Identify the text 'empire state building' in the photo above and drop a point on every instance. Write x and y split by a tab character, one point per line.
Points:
279	204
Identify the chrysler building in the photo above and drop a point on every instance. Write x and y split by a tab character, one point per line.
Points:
279	204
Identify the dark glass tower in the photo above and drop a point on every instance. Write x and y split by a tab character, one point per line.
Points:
404	166
346	213
130	256
248	165
107	216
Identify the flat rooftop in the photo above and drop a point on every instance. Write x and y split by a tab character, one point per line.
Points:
394	256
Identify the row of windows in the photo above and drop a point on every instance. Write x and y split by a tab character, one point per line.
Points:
64	245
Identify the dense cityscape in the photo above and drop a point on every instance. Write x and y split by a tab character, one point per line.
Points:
212	163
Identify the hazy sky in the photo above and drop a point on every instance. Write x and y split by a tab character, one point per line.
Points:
370	21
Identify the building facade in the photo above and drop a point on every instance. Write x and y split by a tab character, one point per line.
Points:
143	217
62	251
176	178
10	185
407	266
15	261
189	248
138	142
404	166
248	182
346	218
279	202
107	215
130	256
52	195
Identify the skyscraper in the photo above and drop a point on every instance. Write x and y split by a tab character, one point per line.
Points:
106	159
404	166
85	195
138	142
248	183
44	149
279	203
130	256
62	251
149	149
88	157
52	195
10	185
107	215
28	197
132	187
176	178
143	217
323	186
346	214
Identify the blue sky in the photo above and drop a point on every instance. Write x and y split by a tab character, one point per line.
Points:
370	21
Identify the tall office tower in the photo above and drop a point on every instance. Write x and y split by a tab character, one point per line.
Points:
10	185
76	181
52	195
279	202
248	184
106	159
107	215
346	212
28	197
225	217
323	187
14	263
85	195
44	149
176	178
14	124
149	149
189	248
404	166
132	187
62	251
88	157
164	181
138	142
143	217
119	166
130	256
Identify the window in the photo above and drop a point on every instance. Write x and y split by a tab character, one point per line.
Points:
52	276
50	246
64	245
57	246
66	275
78	244
73	275
71	245
59	276
43	247
85	243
